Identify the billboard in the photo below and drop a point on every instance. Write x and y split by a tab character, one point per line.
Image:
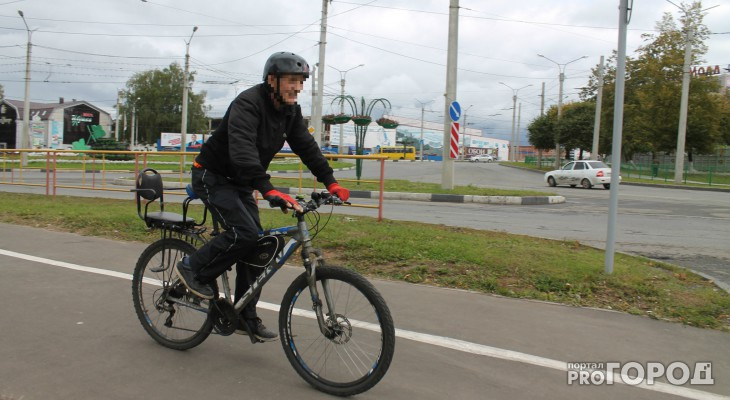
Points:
172	140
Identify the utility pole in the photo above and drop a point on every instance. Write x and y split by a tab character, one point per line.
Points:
542	112
421	141
512	136
684	100
317	115
561	78
343	75
618	121
542	99
133	133
184	125
682	130
447	167
517	139
116	124
25	136
512	153
597	119
423	105
314	96
463	135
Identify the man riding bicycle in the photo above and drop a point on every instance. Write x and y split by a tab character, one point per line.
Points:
232	164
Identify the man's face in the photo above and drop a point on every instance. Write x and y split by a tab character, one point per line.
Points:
289	87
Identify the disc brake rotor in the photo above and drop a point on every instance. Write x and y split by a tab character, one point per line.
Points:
340	329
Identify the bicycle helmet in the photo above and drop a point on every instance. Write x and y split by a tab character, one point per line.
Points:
285	62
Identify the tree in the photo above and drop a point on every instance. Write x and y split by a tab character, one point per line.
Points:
2	92
155	96
575	127
541	130
653	91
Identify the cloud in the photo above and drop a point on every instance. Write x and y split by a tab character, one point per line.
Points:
91	48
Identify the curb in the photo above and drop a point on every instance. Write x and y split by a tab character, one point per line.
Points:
449	198
427	197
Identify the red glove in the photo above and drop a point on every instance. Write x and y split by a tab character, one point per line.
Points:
339	191
279	199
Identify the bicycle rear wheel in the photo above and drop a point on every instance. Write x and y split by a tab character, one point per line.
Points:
167	310
357	351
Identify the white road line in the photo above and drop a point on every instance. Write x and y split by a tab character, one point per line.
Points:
441	341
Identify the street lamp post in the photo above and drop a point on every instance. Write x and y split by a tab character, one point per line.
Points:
25	135
343	74
463	135
512	153
561	69
184	125
423	105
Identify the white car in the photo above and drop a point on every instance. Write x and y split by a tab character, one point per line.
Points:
585	173
481	158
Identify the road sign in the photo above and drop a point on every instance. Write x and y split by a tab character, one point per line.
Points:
311	129
454	150
455	110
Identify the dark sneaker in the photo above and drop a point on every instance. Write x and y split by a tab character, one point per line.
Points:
258	329
186	277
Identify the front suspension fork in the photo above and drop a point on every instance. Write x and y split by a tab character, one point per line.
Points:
311	267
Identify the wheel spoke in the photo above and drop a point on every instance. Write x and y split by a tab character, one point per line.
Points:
164	307
356	353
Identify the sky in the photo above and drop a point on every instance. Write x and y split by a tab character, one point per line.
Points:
87	50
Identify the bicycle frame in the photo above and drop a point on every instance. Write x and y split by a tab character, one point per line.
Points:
178	319
299	238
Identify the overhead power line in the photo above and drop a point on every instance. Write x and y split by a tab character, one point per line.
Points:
158	36
105	55
493	18
432	62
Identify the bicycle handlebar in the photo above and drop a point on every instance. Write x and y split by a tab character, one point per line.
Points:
319	199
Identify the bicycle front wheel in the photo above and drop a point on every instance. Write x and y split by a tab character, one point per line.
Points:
169	313
356	352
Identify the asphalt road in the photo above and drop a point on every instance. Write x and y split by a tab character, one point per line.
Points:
684	227
69	332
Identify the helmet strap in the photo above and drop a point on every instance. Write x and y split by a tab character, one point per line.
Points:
276	91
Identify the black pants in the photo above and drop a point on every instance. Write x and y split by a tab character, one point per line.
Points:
235	209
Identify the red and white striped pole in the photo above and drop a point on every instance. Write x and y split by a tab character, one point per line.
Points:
454	153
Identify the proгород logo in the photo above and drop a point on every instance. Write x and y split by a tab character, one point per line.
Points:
635	373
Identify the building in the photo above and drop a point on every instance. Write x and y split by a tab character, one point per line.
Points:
52	126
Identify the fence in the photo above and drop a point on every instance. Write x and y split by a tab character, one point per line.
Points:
548	162
101	170
665	173
717	163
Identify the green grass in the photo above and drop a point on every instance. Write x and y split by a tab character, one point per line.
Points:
484	261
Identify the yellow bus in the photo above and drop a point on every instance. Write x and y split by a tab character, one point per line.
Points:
398	152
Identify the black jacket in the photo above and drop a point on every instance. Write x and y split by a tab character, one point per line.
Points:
251	133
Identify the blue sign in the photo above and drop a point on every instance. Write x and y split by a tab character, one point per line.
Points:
455	111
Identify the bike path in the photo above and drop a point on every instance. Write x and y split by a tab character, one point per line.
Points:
72	333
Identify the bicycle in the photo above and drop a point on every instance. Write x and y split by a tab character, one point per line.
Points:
340	338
